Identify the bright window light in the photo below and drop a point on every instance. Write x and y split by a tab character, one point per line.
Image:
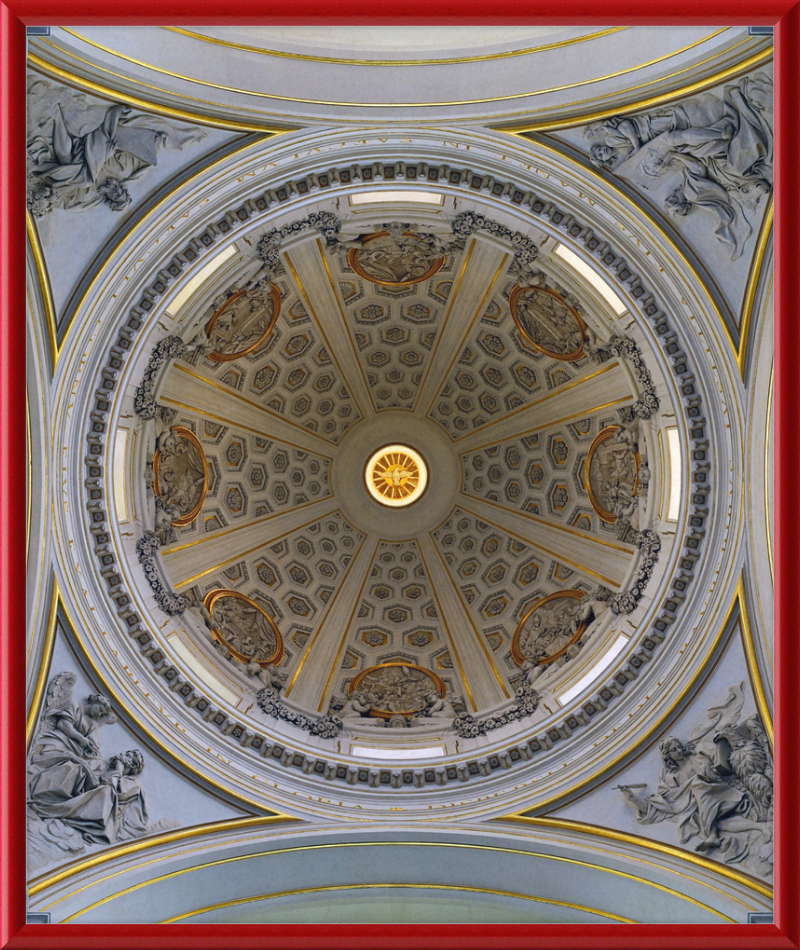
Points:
120	495
397	755
175	305
602	663
675	473
380	197
591	275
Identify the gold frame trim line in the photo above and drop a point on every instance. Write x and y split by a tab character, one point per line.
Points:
44	286
144	844
336	61
365	844
752	285
44	662
116	95
427	887
379	105
568	824
700	85
752	662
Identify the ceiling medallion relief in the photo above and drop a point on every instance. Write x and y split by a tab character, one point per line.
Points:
396	476
605	694
244	627
243	322
393	690
548	322
396	258
614	473
180	476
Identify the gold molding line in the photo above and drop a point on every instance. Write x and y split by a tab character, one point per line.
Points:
44	662
144	844
700	85
379	105
752	662
117	95
427	887
764	236
44	286
488	57
376	844
567	824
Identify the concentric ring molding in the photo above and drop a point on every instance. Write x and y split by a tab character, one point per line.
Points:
128	272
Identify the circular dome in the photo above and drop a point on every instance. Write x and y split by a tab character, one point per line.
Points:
500	371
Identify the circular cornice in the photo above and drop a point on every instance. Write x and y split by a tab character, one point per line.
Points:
696	366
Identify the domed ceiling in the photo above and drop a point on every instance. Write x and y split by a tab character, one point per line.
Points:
405	463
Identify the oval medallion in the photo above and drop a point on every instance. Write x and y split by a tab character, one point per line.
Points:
611	474
399	263
243	322
244	627
180	474
548	322
396	689
551	626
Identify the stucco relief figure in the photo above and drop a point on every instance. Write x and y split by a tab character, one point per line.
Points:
396	688
717	788
356	706
246	629
180	472
80	155
612	470
75	796
550	628
241	323
548	321
266	676
720	145
397	255
438	709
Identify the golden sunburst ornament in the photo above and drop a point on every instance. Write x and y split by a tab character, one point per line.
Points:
396	475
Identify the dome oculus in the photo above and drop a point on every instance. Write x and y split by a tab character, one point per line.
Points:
396	475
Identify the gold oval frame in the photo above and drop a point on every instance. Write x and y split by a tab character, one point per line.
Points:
517	655
603	436
213	596
276	309
385	713
352	260
184	433
512	303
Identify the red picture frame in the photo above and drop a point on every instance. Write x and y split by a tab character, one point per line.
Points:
15	15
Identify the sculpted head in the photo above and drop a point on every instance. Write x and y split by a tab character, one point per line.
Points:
603	156
676	204
673	752
114	193
98	707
